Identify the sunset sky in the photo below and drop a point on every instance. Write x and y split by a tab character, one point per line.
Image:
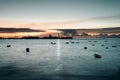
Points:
55	14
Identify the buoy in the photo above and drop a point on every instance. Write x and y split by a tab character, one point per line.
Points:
106	47
102	45
77	42
72	42
95	41
97	56
53	43
85	47
93	44
89	41
106	41
8	45
27	50
66	42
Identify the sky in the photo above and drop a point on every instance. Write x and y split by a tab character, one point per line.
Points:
59	14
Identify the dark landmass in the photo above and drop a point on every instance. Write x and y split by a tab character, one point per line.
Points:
36	37
13	30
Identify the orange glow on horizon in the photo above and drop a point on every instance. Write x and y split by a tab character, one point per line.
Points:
22	34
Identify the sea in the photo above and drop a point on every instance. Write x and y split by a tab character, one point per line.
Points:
60	59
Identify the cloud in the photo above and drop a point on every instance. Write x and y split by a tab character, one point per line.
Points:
83	23
93	22
13	30
99	30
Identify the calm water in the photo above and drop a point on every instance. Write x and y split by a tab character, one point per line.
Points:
60	61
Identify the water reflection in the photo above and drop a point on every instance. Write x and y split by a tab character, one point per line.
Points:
58	49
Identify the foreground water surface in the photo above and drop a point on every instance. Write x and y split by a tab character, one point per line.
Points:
65	60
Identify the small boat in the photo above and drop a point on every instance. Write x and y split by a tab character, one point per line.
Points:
114	46
27	50
97	56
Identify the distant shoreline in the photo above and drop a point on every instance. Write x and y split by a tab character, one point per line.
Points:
65	38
